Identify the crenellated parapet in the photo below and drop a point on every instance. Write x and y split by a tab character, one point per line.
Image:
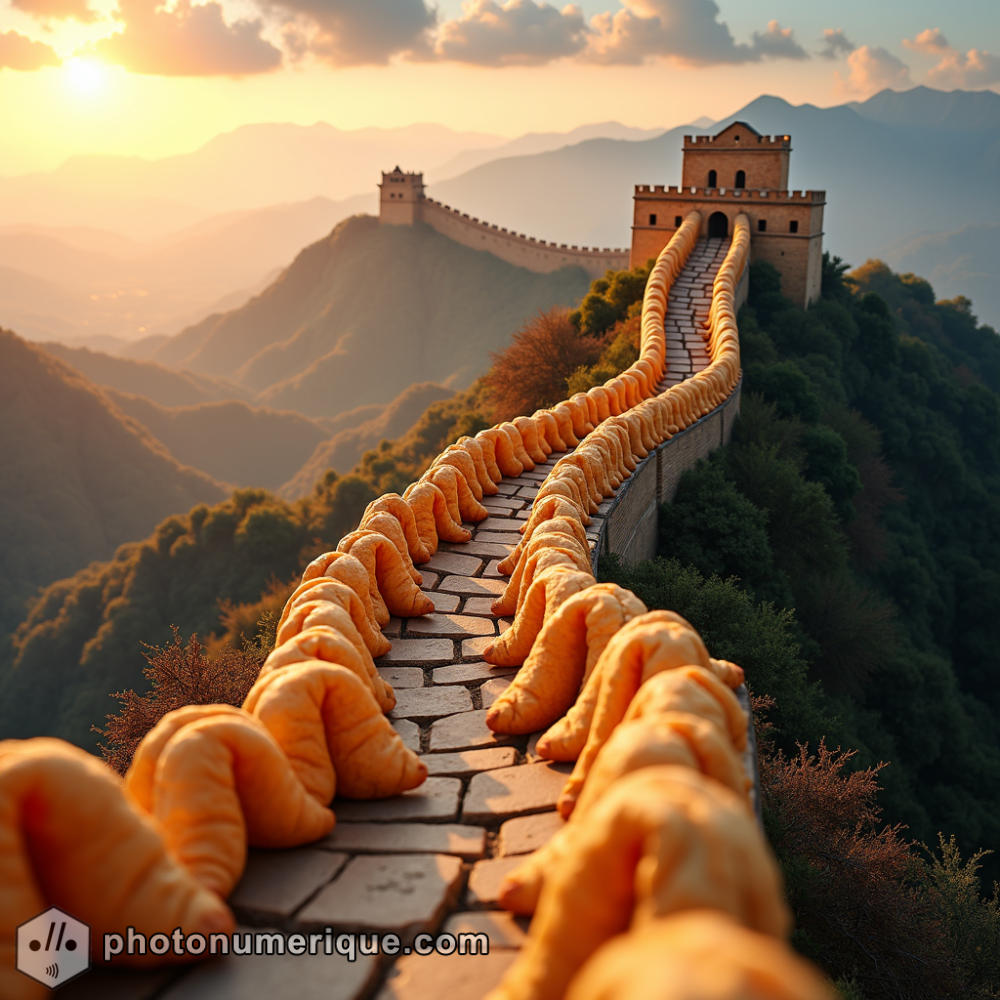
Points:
739	171
404	202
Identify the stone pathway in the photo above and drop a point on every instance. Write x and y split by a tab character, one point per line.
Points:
433	858
687	311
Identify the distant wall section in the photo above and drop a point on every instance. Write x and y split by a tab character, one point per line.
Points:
516	248
403	203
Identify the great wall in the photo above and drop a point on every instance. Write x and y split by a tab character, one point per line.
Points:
607	785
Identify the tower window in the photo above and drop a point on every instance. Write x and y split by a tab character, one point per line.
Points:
793	226
713	179
741	178
677	221
652	220
762	225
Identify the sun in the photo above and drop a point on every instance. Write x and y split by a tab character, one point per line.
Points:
86	77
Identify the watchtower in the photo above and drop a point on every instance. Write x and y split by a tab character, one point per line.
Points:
739	171
400	197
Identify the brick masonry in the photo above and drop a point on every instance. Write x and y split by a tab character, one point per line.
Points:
433	858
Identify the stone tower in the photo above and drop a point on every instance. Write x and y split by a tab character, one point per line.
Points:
401	195
739	170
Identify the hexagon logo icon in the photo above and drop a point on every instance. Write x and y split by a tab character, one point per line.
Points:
53	947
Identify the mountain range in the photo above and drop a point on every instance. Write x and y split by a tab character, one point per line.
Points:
98	288
80	477
361	315
896	166
107	250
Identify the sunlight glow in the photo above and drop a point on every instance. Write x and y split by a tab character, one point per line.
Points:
85	76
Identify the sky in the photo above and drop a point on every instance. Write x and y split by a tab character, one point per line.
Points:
153	78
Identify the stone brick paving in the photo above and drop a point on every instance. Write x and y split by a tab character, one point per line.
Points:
432	858
687	311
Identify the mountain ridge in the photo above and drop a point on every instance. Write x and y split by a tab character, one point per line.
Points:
361	315
80	476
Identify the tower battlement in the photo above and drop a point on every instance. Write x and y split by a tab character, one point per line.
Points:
739	171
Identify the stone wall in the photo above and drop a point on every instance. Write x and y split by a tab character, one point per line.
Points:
516	248
630	527
798	256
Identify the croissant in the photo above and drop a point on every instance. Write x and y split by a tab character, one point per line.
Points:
390	587
658	640
553	488
321	642
697	955
461	461
564	419
558	524
216	780
458	492
394	504
545	508
475	450
548	430
335	592
567	649
517	443
433	517
662	840
534	444
386	524
684	689
520	581
310	614
70	836
578	467
575	480
582	412
333	732
346	568
503	451
588	407
679	738
548	591
602	400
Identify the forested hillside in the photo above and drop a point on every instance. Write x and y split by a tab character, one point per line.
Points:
79	476
232	441
83	639
344	450
862	491
156	382
364	313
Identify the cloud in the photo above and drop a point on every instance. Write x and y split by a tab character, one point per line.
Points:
515	33
56	10
19	52
686	30
359	32
777	43
930	41
186	41
871	70
836	43
956	70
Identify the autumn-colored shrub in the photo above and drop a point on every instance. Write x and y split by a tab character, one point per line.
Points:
182	675
620	351
883	916
532	372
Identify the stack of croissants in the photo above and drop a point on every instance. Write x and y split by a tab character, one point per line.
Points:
659	885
